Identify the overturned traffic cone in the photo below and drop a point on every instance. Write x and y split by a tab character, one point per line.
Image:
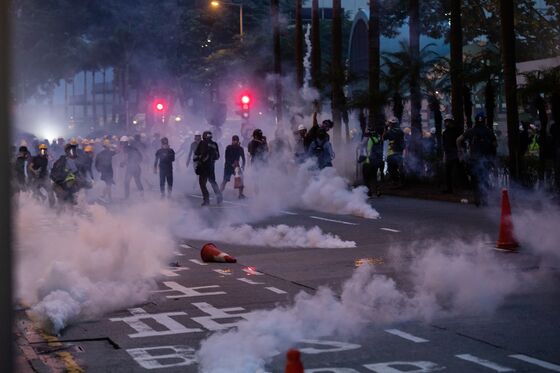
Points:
293	362
210	253
506	241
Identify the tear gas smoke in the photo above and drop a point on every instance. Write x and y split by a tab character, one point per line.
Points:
79	265
445	284
538	231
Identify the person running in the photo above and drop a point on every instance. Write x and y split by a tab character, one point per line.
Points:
104	165
39	172
20	163
65	175
235	159
300	148
165	156
206	155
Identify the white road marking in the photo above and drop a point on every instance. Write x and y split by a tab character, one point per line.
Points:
289	213
247	281
540	363
223	272
172	271
332	220
167	357
185	246
275	290
252	271
178	253
144	330
185	292
410	337
196	261
390	230
484	363
210	323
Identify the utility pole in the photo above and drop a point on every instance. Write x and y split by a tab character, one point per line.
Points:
6	265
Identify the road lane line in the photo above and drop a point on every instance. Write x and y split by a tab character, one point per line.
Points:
178	253
196	261
485	363
390	230
185	246
275	290
247	281
223	272
537	362
289	213
332	220
410	337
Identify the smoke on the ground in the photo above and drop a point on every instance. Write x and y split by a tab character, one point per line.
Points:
448	279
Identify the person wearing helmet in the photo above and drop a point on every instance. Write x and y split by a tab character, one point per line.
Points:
300	149
258	148
87	161
165	156
65	175
194	146
394	135
450	153
104	165
482	149
20	163
206	155
39	172
132	164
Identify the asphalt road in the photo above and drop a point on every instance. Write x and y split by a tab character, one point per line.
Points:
197	299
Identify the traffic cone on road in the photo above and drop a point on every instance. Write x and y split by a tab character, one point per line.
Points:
293	362
506	241
210	253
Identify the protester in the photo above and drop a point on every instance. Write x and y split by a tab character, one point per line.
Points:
104	165
234	160
372	160
206	155
165	156
450	152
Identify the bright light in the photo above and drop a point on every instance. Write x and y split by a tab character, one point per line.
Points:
245	99
178	118
159	106
134	121
215	4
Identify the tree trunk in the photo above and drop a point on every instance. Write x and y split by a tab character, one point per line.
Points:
299	46
510	84
456	41
543	119
398	107
337	70
85	96
315	45
415	94
374	56
65	100
93	99
468	105
490	104
104	97
275	7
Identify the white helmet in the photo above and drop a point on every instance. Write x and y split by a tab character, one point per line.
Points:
301	127
124	139
448	117
197	133
393	120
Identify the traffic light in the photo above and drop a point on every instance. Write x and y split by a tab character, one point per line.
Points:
160	106
245	105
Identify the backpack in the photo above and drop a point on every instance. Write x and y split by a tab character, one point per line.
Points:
59	171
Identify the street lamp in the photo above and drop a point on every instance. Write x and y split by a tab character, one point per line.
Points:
216	4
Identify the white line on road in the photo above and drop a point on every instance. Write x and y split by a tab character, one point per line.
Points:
540	363
178	253
484	363
196	261
247	281
289	213
252	271
332	220
223	272
275	290
185	246
390	230
410	337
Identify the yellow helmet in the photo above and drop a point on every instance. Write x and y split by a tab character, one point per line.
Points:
42	146
88	149
106	142
73	141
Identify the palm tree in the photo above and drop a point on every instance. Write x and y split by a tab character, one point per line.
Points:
337	69
374	62
315	44
414	80
456	41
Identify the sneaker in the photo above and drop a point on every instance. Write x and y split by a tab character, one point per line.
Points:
205	203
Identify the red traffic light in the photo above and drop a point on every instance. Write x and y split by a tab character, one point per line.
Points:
245	99
159	105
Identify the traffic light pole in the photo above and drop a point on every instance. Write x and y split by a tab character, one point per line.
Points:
6	304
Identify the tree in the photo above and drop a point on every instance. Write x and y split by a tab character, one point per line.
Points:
374	55
337	69
414	81
316	45
456	41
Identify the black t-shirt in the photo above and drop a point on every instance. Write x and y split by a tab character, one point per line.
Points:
234	153
482	140
165	158
41	164
449	138
104	160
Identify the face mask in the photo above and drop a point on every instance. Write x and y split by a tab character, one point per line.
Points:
43	152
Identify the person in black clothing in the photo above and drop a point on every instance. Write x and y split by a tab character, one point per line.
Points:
258	148
165	157
450	153
395	136
194	145
372	158
132	163
104	165
235	158
19	169
555	139
206	155
482	148
39	172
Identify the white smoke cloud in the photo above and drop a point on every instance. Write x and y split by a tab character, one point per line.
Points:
444	284
537	231
81	264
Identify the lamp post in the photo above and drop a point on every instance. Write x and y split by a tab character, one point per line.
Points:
216	4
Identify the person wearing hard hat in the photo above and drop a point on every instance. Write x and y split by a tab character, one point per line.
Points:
65	175
39	172
165	156
194	146
395	137
450	152
104	165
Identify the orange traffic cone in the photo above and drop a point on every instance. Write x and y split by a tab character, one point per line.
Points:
210	253
506	241
293	362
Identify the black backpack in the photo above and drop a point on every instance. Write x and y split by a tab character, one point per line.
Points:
59	171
